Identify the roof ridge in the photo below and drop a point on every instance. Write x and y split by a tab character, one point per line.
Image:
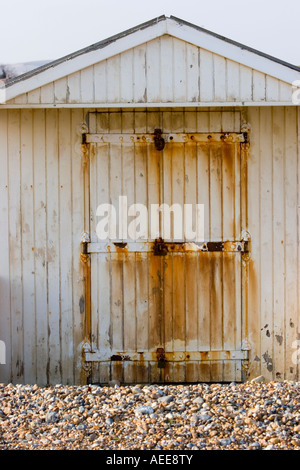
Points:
236	43
92	47
105	42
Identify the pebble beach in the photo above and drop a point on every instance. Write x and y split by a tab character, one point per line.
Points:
250	416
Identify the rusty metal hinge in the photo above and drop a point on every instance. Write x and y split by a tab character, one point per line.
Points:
85	239
159	141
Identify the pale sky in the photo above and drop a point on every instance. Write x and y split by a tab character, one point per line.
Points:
49	29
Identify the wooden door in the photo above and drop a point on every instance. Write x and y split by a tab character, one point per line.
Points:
166	310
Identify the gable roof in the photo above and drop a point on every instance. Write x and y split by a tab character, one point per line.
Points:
141	34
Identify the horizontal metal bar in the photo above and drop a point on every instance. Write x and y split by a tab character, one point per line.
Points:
162	247
213	137
161	356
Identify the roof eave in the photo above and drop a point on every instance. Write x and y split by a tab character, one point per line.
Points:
143	33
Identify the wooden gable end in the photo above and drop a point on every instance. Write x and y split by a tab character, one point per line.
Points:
163	71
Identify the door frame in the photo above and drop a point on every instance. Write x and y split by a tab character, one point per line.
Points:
89	140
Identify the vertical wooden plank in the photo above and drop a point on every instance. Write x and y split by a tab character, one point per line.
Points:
216	301
156	318
140	126
230	371
113	79
101	319
254	220
228	121
87	84
203	185
192	80
65	240
219	78
228	192
259	86
215	121
245	84
297	324
116	259
15	247
278	133
153	71
141	261
139	74
272	88
74	88
291	210
216	259
202	121
178	121
216	371
142	267
5	309
100	82
216	215
178	259
155	311
100	272
116	180
167	181
40	249
238	191
190	121
191	258
60	90
47	93
129	294
206	75
126	72
204	286
117	302
179	286
231	311
129	275
53	248
229	301
168	303
203	273
204	371
27	223
34	96
285	92
233	80
179	70
78	292
142	314
237	121
166	69
21	99
237	333
266	242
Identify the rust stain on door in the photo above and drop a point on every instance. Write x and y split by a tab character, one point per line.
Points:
173	309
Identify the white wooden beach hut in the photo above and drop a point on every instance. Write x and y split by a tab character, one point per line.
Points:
164	113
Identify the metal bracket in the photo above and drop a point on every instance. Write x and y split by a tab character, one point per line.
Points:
162	357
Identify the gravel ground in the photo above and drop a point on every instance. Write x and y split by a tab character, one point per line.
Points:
253	415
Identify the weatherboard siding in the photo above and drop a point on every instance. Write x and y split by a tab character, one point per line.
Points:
164	70
41	279
273	223
42	315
